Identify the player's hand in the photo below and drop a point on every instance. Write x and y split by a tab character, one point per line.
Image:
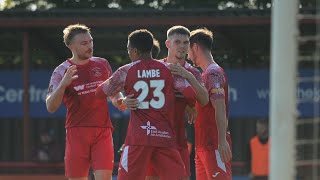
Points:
224	151
121	106
69	76
179	70
192	114
130	102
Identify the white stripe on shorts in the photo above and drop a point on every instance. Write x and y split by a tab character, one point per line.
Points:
124	158
219	161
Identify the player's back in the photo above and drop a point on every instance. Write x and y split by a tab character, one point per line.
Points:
206	132
152	123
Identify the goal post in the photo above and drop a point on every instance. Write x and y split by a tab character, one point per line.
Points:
284	32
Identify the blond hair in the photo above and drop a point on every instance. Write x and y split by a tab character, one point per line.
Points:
72	30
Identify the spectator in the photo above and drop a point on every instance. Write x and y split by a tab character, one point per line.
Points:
258	152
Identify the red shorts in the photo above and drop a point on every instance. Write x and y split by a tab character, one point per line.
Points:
210	166
85	146
135	160
185	158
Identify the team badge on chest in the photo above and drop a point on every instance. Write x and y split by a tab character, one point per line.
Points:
96	71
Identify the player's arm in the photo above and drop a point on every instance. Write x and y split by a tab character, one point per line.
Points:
113	85
57	88
116	100
217	98
201	91
182	85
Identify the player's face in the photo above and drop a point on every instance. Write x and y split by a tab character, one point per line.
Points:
193	56
82	46
178	45
132	52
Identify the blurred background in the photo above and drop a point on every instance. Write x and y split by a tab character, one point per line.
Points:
31	46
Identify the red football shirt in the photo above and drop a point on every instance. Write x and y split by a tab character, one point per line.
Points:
206	133
153	85
180	105
83	108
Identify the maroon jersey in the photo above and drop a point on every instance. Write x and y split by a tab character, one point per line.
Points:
206	133
83	108
152	84
180	105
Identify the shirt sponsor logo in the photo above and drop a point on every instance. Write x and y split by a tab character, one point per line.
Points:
153	131
78	88
148	127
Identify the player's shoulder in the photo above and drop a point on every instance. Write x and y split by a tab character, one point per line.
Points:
191	68
61	68
99	60
214	68
163	62
158	63
128	66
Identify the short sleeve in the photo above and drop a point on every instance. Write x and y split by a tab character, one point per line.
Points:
108	67
215	84
196	73
55	80
115	83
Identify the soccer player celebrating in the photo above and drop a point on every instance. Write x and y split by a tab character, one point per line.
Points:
178	43
88	125
150	135
213	141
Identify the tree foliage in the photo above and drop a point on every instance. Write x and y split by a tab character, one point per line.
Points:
153	4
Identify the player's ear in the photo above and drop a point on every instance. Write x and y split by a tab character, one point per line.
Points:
167	43
196	47
135	50
70	46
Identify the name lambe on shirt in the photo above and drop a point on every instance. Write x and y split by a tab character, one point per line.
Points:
150	73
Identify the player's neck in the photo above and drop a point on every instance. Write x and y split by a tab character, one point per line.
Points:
78	61
182	61
207	59
172	59
146	56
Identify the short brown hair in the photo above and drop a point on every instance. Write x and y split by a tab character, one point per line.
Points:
72	30
203	37
178	30
142	40
155	48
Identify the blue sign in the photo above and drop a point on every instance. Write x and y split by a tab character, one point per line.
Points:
248	95
11	96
